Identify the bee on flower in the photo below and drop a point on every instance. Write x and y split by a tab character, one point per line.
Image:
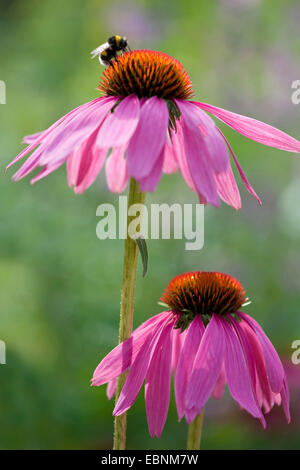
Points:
146	124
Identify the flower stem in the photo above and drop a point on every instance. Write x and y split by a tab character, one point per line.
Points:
195	431
127	304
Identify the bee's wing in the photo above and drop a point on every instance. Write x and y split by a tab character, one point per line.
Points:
97	52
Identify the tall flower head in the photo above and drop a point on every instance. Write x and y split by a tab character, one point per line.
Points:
207	342
144	125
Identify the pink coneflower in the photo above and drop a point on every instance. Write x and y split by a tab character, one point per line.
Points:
207	342
146	125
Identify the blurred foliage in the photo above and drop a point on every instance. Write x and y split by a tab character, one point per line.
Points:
60	285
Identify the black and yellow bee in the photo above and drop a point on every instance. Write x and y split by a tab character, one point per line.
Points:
108	51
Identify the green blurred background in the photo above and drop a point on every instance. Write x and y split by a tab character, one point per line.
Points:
60	285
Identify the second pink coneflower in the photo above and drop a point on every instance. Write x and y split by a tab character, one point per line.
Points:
207	342
147	120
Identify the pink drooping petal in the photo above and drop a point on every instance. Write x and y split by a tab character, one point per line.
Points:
45	172
201	171
68	137
219	388
179	155
263	390
237	373
84	164
253	129
116	171
268	398
29	165
190	414
29	139
178	339
215	147
227	188
123	355
120	125
111	389
149	138
277	399
207	365
186	362
72	166
170	164
135	378
194	116
48	133
81	159
240	170
274	366
252	353
268	405
150	182
96	161
138	370
158	382
285	396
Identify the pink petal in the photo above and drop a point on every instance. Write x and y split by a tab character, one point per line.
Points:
207	365
29	139
150	182
253	129
199	165
123	355
158	382
116	171
237	373
219	388
186	362
242	174
169	165
263	389
285	395
149	138
29	165
84	164
135	378
49	132
138	371
81	159
227	188
111	389
255	363
190	414
73	163
274	367
216	149
120	125
178	339
66	139
179	155
96	162
45	172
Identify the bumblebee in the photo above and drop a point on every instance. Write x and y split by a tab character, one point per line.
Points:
108	52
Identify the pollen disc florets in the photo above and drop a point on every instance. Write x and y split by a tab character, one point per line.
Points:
204	293
145	74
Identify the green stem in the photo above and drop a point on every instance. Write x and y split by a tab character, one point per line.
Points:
127	304
194	433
